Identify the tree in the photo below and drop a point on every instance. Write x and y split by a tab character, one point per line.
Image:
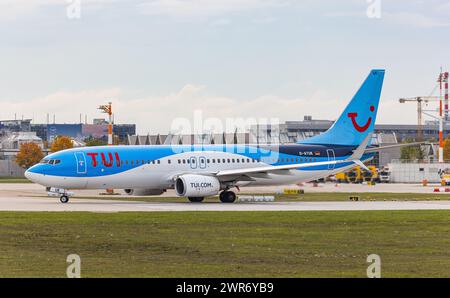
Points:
29	155
447	149
411	152
90	142
61	143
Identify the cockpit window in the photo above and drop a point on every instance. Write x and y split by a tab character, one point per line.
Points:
50	161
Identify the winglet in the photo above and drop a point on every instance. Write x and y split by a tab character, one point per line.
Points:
361	165
358	153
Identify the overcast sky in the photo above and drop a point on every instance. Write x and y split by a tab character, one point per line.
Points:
162	59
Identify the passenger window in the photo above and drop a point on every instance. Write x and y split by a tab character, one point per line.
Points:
232	160
207	160
214	160
223	160
132	162
158	161
228	160
237	160
169	162
179	161
184	161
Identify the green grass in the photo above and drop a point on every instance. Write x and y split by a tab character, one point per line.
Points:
307	197
14	180
226	244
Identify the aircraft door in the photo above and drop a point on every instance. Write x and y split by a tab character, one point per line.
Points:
81	163
193	162
331	157
202	162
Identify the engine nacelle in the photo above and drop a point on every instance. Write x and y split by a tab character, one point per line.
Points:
144	192
197	186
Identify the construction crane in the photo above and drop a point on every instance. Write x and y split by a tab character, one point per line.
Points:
420	100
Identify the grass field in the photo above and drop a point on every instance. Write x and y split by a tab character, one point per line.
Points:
226	244
14	180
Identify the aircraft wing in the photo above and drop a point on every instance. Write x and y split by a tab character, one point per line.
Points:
267	169
376	149
355	158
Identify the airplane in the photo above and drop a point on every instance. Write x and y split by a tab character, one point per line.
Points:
199	171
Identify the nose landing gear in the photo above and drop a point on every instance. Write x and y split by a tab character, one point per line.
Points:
61	193
64	199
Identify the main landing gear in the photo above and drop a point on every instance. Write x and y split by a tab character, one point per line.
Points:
227	196
196	199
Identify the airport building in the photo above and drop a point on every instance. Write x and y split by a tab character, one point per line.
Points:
294	131
80	131
13	133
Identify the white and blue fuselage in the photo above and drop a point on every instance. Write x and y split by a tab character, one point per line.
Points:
156	167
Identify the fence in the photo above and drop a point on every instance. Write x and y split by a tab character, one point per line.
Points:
9	168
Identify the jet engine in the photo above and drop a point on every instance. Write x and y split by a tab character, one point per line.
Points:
190	185
144	192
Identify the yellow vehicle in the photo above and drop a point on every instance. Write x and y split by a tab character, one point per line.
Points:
372	176
445	177
356	175
341	177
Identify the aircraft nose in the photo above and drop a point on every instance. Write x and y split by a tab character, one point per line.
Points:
32	173
29	175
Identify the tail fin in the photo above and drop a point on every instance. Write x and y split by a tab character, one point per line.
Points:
358	118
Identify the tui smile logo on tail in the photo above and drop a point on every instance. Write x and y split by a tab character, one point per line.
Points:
355	123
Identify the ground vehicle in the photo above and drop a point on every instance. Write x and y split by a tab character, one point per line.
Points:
445	177
341	178
385	175
357	175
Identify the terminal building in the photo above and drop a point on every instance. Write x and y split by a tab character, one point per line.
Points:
80	131
294	131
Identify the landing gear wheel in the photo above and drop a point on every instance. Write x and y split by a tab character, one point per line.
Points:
227	197
196	199
64	199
